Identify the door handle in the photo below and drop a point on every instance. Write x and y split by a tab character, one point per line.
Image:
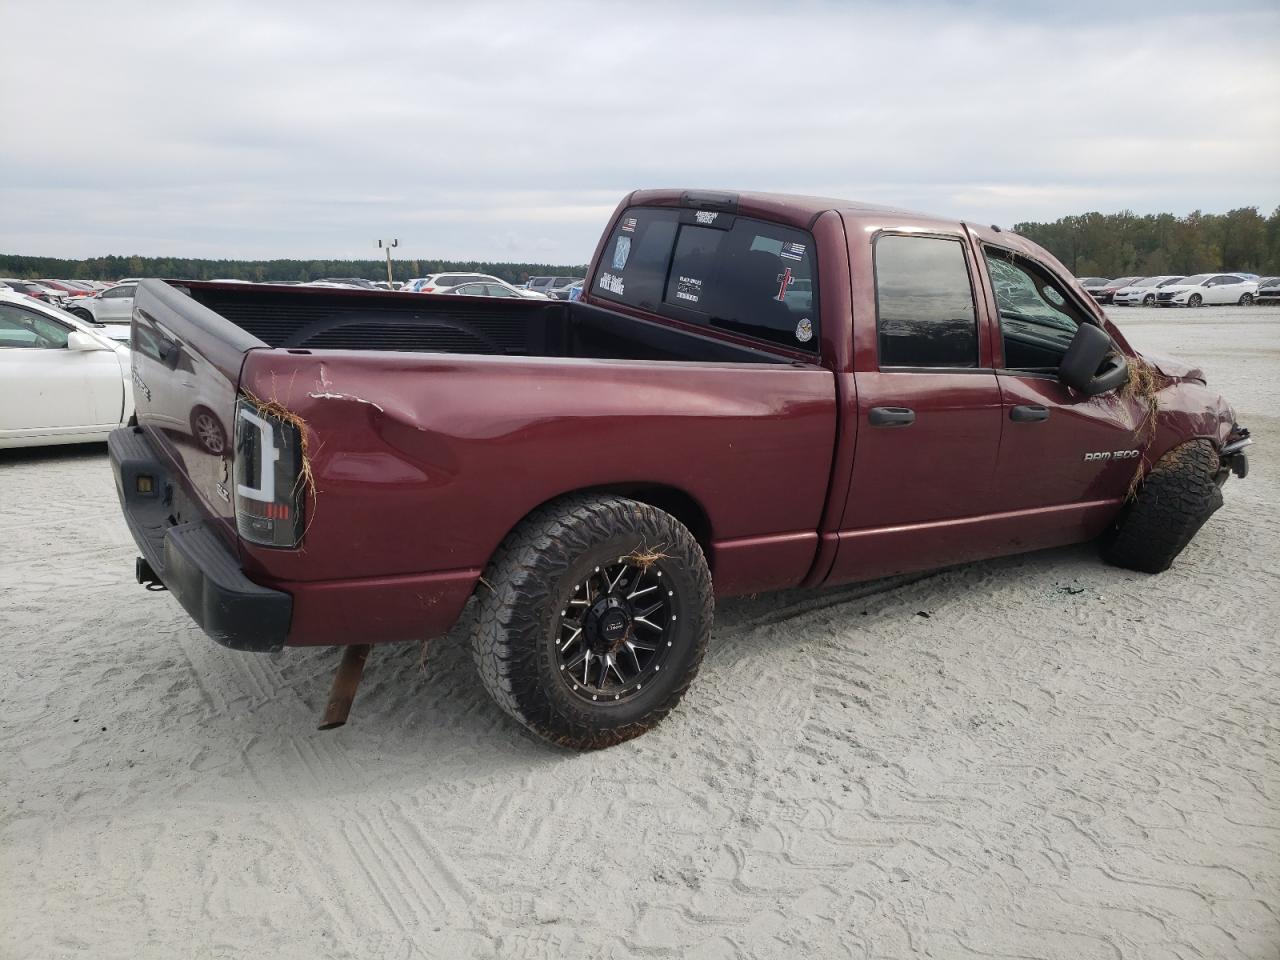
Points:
1028	413
891	416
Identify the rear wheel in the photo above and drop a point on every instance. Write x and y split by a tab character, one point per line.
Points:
594	617
1195	300
1171	505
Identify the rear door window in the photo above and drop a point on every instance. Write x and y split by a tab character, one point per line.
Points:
924	301
716	269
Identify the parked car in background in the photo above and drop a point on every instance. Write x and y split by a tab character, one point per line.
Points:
1208	288
360	282
446	282
65	288
1268	291
61	380
1089	283
483	289
32	288
1106	292
545	285
560	289
112	307
1143	292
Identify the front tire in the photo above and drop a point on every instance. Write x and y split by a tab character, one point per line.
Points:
608	586
1149	300
1245	299
84	315
1195	300
1171	505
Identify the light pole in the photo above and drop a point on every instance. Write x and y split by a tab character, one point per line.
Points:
387	245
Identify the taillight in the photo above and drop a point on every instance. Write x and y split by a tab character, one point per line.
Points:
270	475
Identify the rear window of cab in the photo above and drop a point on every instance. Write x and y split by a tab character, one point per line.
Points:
715	269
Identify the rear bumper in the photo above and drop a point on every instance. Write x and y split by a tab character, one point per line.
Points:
191	559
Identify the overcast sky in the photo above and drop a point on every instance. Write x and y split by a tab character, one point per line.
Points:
509	132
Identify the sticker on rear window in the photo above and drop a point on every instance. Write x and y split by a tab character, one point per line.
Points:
784	280
689	288
611	283
792	251
705	216
629	225
621	250
804	330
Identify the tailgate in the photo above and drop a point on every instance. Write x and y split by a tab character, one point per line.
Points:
186	367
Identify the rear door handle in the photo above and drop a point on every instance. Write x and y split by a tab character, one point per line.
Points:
892	416
1029	413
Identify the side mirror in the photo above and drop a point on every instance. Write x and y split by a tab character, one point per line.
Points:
82	341
1091	364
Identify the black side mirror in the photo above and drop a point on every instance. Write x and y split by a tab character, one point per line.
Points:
1091	364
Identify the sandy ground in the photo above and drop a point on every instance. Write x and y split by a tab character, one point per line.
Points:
1032	757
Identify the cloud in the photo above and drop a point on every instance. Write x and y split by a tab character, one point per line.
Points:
489	130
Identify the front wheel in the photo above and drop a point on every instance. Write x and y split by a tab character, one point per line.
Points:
1195	300
594	616
1245	299
84	315
1174	500
1149	300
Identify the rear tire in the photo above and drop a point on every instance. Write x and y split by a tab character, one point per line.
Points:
1171	505
537	576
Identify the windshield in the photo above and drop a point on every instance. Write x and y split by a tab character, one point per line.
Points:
1199	278
1172	280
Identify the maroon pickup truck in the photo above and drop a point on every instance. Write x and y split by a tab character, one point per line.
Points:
755	392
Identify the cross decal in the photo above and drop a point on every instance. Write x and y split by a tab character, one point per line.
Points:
785	279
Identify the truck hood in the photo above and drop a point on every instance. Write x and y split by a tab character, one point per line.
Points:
1174	368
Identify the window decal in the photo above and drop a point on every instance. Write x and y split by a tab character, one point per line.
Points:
621	250
689	288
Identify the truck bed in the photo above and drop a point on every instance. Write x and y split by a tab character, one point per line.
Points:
435	424
324	319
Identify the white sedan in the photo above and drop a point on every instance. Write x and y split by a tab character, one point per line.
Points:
1143	293
61	379
1206	289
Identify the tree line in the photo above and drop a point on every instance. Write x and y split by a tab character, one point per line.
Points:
1124	244
114	268
1090	244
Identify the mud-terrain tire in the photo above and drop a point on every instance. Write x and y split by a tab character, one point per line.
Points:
535	574
1171	505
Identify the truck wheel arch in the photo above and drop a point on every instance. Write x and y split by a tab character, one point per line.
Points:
680	504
